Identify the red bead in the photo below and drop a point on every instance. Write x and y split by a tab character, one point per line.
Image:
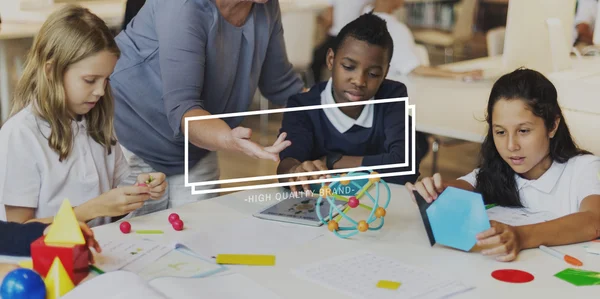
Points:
353	202
125	227
173	217
177	225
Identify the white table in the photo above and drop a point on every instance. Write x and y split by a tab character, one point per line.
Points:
404	239
456	109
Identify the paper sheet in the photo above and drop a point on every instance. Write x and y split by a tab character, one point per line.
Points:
518	216
114	285
593	248
357	274
232	286
129	254
179	263
251	236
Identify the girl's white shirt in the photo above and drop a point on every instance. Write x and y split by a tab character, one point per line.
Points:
31	174
561	189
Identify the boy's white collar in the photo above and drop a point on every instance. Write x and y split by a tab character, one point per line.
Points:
338	119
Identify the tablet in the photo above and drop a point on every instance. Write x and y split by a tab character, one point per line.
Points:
299	210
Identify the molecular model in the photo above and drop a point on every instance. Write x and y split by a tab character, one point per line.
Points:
377	211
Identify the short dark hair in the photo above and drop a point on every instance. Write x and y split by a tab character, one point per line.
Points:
368	28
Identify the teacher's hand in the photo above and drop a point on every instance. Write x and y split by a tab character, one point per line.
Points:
240	138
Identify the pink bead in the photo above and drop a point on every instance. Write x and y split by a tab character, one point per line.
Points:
173	217
353	202
177	225
125	227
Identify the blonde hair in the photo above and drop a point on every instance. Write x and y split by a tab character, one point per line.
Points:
68	36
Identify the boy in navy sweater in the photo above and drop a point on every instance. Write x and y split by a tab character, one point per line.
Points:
351	136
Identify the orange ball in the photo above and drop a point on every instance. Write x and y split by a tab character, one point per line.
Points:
344	182
333	225
380	212
363	226
376	179
325	191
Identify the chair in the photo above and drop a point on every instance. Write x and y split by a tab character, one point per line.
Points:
423	55
461	33
299	28
12	55
495	41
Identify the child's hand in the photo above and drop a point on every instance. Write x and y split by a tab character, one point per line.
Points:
156	181
307	166
502	240
5	269
121	201
428	187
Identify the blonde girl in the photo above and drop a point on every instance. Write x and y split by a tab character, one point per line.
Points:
59	141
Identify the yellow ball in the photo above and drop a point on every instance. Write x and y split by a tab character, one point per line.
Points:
344	182
380	212
325	191
363	226
375	179
332	225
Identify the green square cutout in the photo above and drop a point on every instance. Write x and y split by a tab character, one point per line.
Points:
579	277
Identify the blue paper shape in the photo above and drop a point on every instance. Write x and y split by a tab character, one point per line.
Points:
456	217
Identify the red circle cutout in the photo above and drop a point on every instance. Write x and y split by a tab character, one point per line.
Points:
512	276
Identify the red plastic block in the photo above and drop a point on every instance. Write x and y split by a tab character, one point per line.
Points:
75	258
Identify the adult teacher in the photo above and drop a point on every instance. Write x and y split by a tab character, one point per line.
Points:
185	58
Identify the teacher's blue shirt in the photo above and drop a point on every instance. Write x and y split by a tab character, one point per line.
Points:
178	55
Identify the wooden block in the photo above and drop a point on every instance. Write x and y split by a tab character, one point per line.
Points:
74	258
246	259
390	285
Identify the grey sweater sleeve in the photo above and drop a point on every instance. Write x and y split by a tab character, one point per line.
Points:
182	40
278	80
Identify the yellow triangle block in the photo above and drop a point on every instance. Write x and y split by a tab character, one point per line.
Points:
28	264
57	280
65	228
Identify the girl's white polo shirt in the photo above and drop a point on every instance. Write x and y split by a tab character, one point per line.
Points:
561	188
31	174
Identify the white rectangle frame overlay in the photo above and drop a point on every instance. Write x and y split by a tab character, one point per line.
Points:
411	110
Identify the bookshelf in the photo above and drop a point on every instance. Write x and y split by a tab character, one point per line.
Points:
431	14
491	14
439	14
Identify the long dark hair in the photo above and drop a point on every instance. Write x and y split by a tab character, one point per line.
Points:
496	179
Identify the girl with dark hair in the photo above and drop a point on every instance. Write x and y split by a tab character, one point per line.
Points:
529	159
